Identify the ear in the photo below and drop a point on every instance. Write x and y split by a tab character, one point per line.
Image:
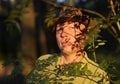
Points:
82	27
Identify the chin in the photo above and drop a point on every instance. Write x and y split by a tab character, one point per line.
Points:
67	50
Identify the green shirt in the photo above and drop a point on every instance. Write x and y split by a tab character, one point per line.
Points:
48	71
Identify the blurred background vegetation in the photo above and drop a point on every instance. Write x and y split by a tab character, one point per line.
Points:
25	35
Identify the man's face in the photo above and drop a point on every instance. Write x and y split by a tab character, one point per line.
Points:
66	35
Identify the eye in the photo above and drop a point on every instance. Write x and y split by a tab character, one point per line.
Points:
76	26
59	30
71	27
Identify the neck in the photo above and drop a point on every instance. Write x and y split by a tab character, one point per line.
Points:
71	58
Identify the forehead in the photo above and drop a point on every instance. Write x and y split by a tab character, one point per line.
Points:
68	23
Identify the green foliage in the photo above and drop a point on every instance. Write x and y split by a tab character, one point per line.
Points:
48	71
93	36
74	69
112	66
66	70
114	19
50	17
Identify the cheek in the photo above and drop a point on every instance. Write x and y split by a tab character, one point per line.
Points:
58	38
72	39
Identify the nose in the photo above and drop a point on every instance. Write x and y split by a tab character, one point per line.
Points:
63	34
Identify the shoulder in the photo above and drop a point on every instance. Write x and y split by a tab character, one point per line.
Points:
96	70
44	56
48	56
94	66
89	61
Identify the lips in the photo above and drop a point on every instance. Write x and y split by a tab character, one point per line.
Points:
66	43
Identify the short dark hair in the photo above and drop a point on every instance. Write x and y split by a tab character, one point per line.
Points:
72	14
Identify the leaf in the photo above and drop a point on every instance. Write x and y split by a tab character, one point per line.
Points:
88	72
101	43
49	20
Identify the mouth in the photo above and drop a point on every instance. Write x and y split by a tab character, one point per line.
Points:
66	43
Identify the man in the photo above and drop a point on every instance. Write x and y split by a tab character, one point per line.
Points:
72	66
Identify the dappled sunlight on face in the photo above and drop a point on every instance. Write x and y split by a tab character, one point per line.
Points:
66	34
